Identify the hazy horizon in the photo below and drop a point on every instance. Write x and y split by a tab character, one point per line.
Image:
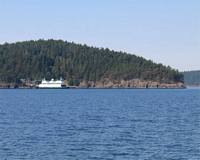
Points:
166	32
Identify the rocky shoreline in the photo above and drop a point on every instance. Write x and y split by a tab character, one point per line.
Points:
106	83
135	83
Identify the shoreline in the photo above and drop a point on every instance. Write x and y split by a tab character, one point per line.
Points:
33	88
106	84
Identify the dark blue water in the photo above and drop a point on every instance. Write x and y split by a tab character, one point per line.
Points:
100	124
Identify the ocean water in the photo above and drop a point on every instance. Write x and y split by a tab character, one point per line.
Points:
98	124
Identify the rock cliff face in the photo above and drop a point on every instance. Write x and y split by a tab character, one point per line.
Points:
134	83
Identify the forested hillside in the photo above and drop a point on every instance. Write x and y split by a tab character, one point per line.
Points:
192	78
35	60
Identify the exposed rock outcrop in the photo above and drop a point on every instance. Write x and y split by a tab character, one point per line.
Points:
134	83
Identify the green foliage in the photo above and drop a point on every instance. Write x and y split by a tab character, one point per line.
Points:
35	60
73	82
76	82
70	82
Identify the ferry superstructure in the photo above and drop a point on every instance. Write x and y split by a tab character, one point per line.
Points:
51	84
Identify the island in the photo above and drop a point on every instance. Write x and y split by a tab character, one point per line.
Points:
192	79
25	64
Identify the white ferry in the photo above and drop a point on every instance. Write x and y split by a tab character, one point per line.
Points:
51	84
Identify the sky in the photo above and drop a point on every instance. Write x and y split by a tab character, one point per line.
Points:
165	31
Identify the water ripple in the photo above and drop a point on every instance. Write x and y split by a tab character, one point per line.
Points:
100	124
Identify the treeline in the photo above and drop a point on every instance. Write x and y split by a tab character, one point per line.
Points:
35	60
192	78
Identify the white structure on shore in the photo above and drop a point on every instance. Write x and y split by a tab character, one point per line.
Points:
51	84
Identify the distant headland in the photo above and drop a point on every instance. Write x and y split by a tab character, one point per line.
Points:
25	64
192	78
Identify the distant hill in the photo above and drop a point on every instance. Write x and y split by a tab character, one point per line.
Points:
35	60
192	78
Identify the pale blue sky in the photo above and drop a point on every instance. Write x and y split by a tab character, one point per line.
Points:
166	31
